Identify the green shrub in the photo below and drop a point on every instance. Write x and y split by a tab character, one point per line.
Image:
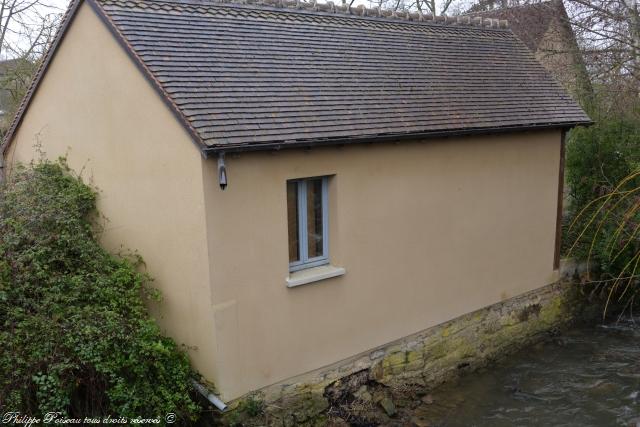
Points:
598	159
74	331
604	213
608	231
600	156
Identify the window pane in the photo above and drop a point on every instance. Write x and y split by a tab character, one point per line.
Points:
314	217
292	215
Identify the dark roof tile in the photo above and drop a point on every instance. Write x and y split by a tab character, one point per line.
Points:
258	76
246	75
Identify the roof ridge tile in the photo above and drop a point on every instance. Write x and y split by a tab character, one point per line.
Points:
315	6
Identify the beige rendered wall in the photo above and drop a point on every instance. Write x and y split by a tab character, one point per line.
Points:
96	106
426	231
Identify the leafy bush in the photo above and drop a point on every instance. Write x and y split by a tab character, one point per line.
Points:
600	156
75	334
609	231
604	210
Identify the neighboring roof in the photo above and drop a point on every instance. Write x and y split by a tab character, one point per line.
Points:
546	29
529	22
258	77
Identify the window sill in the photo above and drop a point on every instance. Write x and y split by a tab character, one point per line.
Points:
313	274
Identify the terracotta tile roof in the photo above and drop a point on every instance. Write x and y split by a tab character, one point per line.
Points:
258	76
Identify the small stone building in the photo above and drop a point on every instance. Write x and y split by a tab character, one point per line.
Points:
306	183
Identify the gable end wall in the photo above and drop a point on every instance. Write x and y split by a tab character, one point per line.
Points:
94	106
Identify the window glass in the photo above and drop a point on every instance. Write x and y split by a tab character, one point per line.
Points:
314	218
307	221
292	216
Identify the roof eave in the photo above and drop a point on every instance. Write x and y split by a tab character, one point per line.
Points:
398	137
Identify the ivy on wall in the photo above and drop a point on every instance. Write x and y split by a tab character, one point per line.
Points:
75	335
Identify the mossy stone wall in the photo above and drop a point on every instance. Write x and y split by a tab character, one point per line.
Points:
424	360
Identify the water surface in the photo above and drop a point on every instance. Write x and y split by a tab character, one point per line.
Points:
589	376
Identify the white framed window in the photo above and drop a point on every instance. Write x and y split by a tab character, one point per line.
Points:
308	221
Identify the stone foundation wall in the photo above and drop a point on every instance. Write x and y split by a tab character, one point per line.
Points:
420	361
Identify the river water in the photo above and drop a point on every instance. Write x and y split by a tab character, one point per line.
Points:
589	376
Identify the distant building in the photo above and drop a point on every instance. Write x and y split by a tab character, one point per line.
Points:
546	30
